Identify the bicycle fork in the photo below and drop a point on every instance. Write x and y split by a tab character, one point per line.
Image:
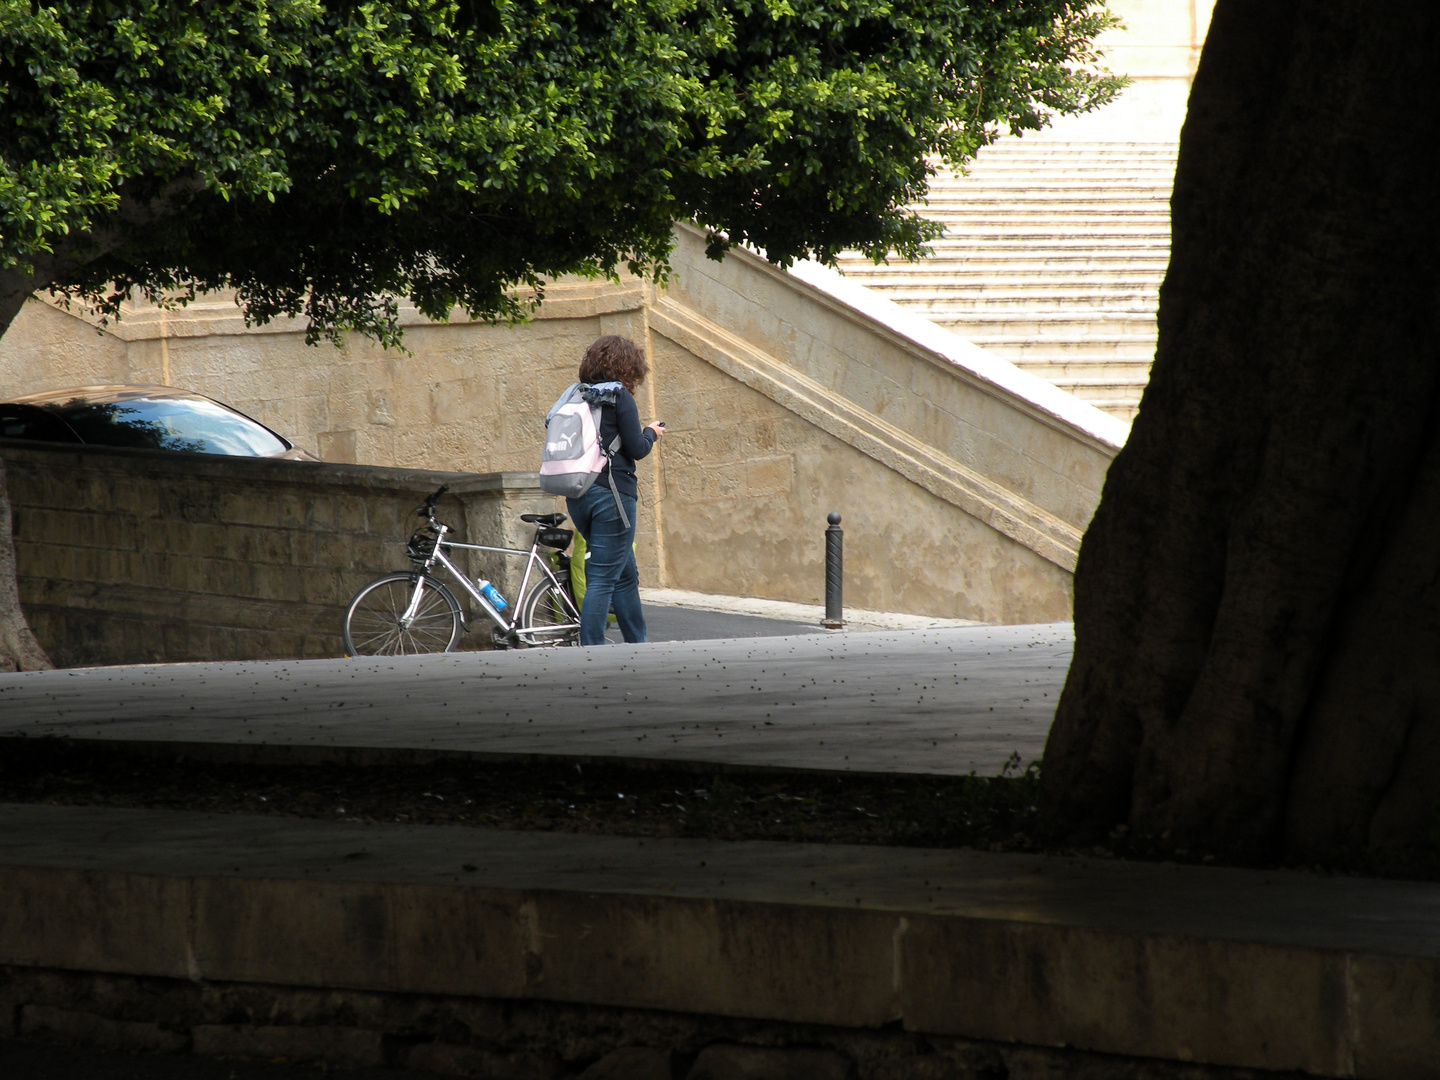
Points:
412	609
407	618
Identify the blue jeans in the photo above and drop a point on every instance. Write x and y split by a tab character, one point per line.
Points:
611	576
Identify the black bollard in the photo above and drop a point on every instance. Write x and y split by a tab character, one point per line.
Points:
834	574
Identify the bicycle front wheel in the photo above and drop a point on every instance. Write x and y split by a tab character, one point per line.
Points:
548	617
375	623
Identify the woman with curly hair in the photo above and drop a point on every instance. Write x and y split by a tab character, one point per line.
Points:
609	373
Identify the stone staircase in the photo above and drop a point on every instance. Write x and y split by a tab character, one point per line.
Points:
1052	258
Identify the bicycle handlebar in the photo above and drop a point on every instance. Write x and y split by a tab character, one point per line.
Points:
427	509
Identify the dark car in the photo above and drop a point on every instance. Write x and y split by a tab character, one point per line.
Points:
149	417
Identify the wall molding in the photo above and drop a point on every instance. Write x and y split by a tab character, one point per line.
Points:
1003	510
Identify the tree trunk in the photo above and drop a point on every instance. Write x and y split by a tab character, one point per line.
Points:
1257	602
19	651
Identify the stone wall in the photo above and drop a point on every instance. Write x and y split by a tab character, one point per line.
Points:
136	556
964	484
524	1040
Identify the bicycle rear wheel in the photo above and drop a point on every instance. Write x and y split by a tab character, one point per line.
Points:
375	625
548	617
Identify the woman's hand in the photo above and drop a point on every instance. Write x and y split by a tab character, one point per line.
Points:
658	427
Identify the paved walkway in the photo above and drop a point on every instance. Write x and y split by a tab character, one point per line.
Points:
947	700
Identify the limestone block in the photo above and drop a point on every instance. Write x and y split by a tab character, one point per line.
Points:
114	922
769	476
632	1063
47	348
350	513
321	587
337	446
89	1029
354	1047
734	1062
1163	996
924	1067
452	1060
1391	1039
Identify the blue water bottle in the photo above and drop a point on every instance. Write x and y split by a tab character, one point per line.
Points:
491	593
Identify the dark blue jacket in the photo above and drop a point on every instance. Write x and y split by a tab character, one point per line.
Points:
619	414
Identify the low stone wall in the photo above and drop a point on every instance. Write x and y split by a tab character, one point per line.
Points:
534	954
507	1039
139	556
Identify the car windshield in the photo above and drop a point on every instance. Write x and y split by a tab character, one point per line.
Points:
203	427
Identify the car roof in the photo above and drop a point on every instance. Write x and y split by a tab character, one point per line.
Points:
105	395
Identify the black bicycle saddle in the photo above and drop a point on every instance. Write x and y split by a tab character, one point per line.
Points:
547	520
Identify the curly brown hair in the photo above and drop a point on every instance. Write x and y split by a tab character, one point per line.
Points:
613	358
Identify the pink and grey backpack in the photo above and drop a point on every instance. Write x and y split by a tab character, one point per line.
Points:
573	456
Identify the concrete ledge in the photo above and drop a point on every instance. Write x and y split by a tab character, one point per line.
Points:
1234	968
216	314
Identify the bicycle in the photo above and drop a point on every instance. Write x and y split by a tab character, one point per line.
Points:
413	611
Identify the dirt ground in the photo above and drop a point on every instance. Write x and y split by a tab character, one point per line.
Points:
993	813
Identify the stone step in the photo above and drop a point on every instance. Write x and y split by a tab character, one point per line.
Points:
1023	259
1120	222
1099	188
965	280
1025	350
1069	325
1060	232
977	272
1059	172
1113	368
1077	214
1089	151
1037	189
1078	163
1045	290
1044	242
1052	257
1058	168
1093	387
1027	305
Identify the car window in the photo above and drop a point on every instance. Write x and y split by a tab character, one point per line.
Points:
204	427
28	422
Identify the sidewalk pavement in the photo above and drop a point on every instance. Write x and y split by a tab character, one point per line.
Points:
949	700
802	614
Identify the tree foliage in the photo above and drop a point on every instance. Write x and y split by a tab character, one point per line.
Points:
324	158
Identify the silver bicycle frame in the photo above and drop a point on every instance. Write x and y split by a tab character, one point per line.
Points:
532	559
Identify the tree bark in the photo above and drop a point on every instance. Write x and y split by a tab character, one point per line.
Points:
19	651
1257	601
